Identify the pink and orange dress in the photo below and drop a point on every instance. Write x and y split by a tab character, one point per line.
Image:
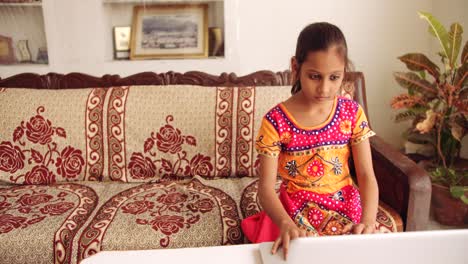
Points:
317	190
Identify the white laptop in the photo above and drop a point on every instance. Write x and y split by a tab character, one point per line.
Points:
426	247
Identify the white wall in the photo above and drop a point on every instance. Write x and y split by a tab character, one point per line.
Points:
261	34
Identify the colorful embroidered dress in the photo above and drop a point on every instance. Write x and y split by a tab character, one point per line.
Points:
317	189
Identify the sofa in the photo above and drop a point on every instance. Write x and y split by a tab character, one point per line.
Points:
152	161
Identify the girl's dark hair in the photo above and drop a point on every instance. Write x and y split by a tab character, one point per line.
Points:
318	37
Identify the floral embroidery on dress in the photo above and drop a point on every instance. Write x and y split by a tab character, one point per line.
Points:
362	127
285	138
363	124
291	166
338	196
337	165
333	228
315	217
345	127
315	168
265	148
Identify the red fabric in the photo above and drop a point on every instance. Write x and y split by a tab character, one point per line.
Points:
260	228
318	212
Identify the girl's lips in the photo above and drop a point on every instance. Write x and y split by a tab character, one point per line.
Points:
322	97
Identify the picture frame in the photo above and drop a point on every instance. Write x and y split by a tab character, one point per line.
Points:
121	36
23	51
169	31
7	53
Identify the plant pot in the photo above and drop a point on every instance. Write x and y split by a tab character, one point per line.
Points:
426	150
448	210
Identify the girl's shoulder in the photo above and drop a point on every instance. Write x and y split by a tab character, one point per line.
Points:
275	113
346	100
347	105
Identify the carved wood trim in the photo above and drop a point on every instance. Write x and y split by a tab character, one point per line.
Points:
81	80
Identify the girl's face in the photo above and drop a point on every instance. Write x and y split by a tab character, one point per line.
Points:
320	75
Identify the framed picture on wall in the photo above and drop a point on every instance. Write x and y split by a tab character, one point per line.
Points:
122	42
7	54
169	31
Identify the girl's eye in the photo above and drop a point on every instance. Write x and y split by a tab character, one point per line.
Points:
334	77
314	76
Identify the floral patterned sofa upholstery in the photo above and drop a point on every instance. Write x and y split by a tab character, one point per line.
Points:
149	161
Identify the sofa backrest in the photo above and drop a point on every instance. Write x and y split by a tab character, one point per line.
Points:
137	133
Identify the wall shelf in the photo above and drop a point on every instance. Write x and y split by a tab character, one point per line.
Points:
22	27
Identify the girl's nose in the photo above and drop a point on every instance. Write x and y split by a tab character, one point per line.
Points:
324	87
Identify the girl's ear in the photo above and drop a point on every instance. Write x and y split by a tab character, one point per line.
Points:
294	69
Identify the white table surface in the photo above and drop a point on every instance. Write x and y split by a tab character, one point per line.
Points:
429	247
245	254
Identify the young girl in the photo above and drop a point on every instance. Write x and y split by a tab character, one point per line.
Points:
307	140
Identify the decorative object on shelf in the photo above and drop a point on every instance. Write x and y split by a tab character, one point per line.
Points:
19	1
122	42
23	52
438	107
216	44
42	55
7	54
169	31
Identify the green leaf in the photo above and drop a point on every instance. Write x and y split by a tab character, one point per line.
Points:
464	199
457	191
419	62
464	56
455	37
411	80
439	31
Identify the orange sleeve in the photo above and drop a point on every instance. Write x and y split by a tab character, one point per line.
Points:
361	129
268	141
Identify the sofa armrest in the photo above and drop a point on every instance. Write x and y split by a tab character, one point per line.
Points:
403	185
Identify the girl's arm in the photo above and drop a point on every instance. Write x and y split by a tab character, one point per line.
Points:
367	187
273	207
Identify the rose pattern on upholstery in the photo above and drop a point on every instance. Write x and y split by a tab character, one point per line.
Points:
387	219
173	212
26	205
37	146
166	209
169	141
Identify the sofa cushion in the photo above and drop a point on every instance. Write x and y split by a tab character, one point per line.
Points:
209	132
39	224
43	137
131	134
67	222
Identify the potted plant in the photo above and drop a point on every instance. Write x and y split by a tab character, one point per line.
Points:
436	102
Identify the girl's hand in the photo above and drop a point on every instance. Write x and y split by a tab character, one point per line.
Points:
360	228
288	232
